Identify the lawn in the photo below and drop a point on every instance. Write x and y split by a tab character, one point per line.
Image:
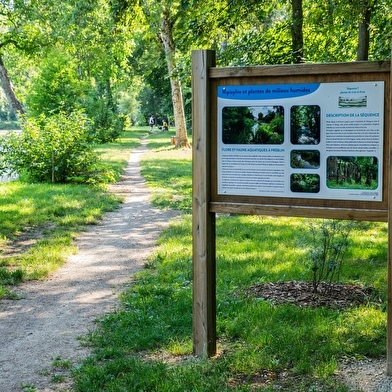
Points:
147	345
49	216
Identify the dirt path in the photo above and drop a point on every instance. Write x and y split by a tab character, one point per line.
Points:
45	324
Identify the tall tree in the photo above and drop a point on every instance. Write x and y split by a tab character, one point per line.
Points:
366	8
166	38
24	27
159	18
297	32
9	90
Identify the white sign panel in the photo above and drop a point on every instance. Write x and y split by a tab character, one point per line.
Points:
319	140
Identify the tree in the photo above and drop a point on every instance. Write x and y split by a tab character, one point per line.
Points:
296	31
159	18
24	26
9	90
166	37
367	7
237	125
330	32
149	73
57	88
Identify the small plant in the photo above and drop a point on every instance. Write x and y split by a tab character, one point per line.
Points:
58	378
61	363
28	388
44	372
330	242
11	278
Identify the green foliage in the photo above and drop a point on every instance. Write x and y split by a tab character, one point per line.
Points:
106	123
330	31
57	88
54	213
154	95
352	172
10	277
237	125
330	242
308	183
53	149
272	132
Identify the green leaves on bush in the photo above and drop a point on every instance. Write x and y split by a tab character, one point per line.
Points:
53	149
330	242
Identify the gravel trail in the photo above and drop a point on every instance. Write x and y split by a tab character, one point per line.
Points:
42	329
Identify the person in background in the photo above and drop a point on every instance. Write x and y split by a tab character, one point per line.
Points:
165	127
151	122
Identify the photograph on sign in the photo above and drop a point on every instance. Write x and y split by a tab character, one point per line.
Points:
318	140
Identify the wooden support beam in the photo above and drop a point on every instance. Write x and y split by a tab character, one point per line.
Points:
203	221
389	310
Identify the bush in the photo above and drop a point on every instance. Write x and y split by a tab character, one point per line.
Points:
330	242
53	149
109	127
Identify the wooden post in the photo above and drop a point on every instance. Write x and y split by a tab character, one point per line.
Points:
203	221
389	310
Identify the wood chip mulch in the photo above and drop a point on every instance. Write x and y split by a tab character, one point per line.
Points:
331	295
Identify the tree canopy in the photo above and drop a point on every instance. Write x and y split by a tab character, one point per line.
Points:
134	55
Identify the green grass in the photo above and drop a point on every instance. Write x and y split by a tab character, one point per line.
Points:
147	345
54	214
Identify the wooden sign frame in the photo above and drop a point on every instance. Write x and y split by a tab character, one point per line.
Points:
207	202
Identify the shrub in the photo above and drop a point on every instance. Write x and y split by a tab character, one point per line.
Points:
108	127
330	242
52	149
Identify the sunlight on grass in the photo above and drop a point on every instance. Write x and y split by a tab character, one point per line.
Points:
177	347
56	213
253	334
147	343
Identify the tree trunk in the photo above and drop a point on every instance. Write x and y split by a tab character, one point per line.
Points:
297	31
8	89
363	31
178	105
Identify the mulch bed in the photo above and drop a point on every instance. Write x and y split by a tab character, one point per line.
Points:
331	295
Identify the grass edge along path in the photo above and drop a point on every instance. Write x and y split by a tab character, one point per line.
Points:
147	345
38	222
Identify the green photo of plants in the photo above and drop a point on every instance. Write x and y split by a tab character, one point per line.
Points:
305	124
305	159
352	172
307	183
253	125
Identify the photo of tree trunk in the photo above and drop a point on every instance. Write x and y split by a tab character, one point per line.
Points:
352	172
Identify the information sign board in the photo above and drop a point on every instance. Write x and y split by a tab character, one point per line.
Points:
310	140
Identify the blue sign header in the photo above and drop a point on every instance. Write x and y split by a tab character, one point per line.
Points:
266	91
